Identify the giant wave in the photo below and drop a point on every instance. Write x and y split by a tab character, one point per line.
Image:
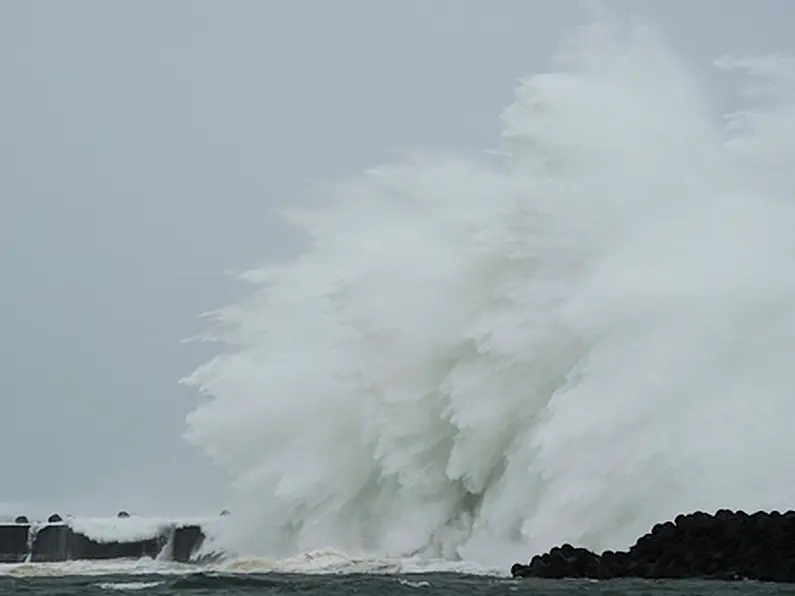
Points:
586	332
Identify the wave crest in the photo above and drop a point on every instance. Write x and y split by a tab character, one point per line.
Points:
568	341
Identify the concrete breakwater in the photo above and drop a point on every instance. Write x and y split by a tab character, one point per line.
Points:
101	538
726	545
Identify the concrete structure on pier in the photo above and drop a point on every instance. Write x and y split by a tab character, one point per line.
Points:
100	538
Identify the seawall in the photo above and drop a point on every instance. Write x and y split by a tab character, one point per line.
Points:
102	538
725	545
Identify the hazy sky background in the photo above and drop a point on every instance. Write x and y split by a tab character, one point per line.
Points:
144	148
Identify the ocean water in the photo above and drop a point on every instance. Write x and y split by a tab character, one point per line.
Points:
366	585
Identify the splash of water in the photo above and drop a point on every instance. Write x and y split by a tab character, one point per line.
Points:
570	342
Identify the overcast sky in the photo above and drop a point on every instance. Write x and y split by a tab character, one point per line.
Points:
144	147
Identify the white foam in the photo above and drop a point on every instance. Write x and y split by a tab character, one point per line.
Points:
325	561
120	530
144	566
133	528
480	360
332	561
133	586
415	584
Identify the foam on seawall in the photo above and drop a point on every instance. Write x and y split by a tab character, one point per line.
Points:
133	528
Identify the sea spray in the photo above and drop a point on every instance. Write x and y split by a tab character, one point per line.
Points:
571	341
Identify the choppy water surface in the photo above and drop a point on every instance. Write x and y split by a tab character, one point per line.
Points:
364	585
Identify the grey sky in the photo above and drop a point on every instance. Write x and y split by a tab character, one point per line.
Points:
143	149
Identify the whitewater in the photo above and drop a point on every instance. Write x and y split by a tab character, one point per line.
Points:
583	332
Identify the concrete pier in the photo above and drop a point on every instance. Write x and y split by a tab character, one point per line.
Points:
13	543
58	540
185	542
49	543
79	546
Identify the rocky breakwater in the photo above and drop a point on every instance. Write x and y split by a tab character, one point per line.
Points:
727	545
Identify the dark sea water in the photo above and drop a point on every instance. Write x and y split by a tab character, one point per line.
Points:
366	585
